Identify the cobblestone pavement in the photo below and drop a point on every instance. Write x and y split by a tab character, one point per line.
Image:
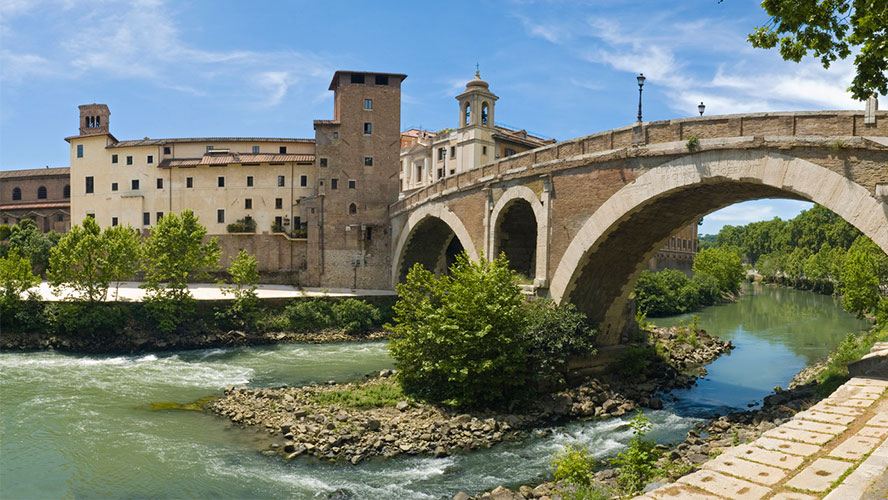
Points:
837	449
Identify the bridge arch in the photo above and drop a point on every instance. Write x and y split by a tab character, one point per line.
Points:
515	208
605	257
430	234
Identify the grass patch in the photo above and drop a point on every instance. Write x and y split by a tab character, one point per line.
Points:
371	395
851	349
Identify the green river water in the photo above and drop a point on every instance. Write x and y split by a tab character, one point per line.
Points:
79	426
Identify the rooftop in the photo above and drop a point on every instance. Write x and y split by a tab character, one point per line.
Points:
34	172
185	140
237	158
335	79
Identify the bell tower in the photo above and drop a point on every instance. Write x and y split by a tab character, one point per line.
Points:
476	128
94	119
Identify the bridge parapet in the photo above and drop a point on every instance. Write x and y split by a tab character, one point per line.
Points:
779	130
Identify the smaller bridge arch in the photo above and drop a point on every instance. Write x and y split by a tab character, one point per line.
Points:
426	237
540	251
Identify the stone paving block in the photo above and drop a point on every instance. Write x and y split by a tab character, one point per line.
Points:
873	382
725	486
850	402
678	491
829	418
800	449
819	475
873	432
856	484
805	425
767	457
792	495
855	447
841	410
857	391
787	433
757	473
880	420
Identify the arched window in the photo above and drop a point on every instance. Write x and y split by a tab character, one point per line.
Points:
16	193
41	193
352	209
67	191
468	114
484	113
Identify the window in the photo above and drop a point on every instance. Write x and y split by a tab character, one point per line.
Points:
368	104
249	181
167	150
279	222
336	135
189	182
89	184
146	218
442	152
220	216
368	161
352	209
66	192
16	194
60	218
334	183
440	173
158	216
113	221
113	158
323	162
134	184
452	152
209	148
368	128
129	160
281	181
483	150
357	78
351	183
283	150
248	203
159	183
91	216
150	159
221	182
113	186
508	152
382	80
80	150
484	113
278	203
255	149
303	180
41	193
369	234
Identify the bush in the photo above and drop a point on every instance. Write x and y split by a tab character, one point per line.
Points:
573	464
373	395
554	335
244	311
664	293
638	462
245	225
458	339
722	264
355	316
90	318
634	361
311	315
15	278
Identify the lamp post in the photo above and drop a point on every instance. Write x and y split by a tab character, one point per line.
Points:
640	79
701	108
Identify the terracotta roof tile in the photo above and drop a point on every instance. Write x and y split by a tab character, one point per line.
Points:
26	206
161	142
34	172
236	158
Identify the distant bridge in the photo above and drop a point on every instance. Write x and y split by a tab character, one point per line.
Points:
583	216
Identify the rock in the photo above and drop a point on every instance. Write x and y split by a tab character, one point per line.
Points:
541	490
698	458
402	406
526	491
656	404
561	403
373	425
605	474
609	405
340	494
653	485
462	495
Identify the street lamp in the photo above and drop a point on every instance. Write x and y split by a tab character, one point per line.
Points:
640	79
701	108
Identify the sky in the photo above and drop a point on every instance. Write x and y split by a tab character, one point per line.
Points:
562	69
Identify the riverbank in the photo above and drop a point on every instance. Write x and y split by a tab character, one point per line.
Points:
355	421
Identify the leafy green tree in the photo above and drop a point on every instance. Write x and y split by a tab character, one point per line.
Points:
830	30
15	279
457	339
123	254
722	264
244	273
865	270
554	335
4	232
173	253
33	244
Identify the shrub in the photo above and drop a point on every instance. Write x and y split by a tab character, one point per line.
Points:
245	225
458	339
310	314
638	462
355	316
573	464
89	318
722	264
15	277
373	395
555	334
243	312
634	361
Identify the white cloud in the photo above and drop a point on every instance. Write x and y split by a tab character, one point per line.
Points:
742	213
274	85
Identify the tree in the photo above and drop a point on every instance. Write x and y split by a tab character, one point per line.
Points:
244	276
15	278
723	265
830	30
122	243
457	339
32	243
174	253
865	270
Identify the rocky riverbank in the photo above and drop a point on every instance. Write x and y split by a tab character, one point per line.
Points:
352	422
133	341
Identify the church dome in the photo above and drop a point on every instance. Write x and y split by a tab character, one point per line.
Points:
477	81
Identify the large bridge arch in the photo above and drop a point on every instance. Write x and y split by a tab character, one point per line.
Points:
426	237
522	197
603	260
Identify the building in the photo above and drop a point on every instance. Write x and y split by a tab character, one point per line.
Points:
313	211
427	157
40	194
678	252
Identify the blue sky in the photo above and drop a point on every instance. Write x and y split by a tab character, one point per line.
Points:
562	69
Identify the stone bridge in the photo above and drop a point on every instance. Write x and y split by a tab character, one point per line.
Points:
583	216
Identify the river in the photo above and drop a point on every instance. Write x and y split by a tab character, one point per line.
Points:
80	426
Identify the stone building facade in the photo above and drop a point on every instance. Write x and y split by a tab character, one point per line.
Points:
40	194
678	253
